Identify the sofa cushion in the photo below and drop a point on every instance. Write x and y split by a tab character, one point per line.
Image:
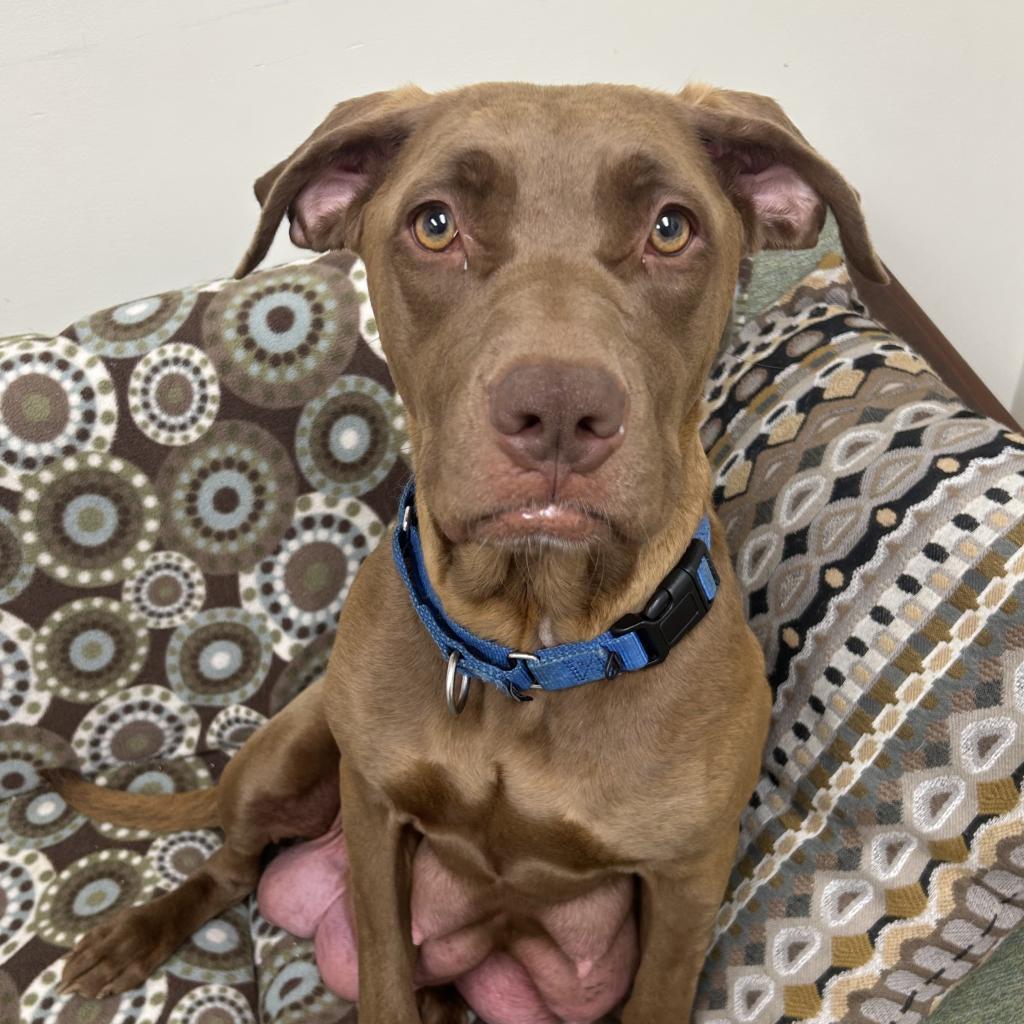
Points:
188	483
876	526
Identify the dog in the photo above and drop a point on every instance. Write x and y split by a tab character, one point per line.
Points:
552	269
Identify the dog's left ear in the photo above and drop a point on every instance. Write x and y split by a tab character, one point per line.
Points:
775	177
324	182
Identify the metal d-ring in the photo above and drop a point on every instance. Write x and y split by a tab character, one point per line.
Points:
529	659
455	702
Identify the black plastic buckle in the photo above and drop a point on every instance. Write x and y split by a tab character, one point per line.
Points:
676	607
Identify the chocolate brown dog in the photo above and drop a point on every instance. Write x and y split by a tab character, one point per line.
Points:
552	270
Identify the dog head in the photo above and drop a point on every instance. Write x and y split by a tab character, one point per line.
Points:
552	269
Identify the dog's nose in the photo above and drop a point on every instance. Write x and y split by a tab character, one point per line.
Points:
547	413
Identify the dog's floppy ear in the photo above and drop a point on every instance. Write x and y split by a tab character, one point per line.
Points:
333	170
775	176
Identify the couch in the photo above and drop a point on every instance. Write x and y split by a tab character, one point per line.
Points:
189	481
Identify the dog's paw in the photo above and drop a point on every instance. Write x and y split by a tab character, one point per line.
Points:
115	957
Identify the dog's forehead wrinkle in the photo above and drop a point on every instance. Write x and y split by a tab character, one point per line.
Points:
557	136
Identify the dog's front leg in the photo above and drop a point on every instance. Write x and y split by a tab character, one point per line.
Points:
677	914
380	858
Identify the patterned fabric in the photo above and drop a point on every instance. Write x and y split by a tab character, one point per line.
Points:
189	482
877	527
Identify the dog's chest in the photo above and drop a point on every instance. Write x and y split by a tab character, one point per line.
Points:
516	855
488	822
529	819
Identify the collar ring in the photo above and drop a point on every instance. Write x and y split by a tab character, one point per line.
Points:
456	701
527	659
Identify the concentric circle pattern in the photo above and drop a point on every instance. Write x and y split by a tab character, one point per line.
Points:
264	934
140	724
55	400
232	726
220	951
228	498
135	328
292	991
367	318
43	1004
177	855
157	777
212	1004
22	698
167	591
302	584
23	874
174	394
37	819
90	892
25	750
280	337
220	657
88	520
15	569
348	438
90	649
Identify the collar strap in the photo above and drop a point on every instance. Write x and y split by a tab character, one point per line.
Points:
633	642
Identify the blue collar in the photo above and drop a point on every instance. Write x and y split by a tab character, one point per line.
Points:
633	642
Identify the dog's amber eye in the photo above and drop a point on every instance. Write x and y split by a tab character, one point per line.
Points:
671	231
434	227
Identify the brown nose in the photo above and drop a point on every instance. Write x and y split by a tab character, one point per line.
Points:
558	413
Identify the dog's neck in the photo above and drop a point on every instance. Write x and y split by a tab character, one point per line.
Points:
528	599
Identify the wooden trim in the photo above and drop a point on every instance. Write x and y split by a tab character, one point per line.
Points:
893	306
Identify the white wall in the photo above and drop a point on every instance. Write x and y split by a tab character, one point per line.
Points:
131	129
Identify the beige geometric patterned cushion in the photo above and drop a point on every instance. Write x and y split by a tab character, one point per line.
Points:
877	527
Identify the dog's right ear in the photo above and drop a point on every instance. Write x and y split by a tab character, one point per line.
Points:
332	172
774	175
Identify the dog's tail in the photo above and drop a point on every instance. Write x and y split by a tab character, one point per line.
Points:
156	812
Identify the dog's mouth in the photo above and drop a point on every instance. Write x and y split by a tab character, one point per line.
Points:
559	523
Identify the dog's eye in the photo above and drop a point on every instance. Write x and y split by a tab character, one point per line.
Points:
434	227
671	231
